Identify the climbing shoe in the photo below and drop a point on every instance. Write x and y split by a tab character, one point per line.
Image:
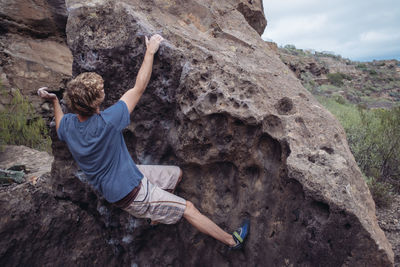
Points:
240	234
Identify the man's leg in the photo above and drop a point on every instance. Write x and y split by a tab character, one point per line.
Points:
168	178
205	225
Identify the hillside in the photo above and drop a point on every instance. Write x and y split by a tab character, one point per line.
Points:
371	84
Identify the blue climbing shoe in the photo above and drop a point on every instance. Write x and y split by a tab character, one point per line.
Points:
240	234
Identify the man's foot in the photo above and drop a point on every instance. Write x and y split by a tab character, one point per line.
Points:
240	234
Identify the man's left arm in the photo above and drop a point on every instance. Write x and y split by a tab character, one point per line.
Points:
58	113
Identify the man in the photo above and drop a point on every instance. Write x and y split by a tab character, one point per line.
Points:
95	140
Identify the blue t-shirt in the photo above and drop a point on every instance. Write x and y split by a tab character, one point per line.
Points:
98	147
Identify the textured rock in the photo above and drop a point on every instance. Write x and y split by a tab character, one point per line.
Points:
253	12
40	18
43	231
33	50
299	65
250	139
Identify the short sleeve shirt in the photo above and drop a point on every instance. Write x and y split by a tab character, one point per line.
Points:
98	147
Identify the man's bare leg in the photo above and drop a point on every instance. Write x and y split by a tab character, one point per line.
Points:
202	223
205	225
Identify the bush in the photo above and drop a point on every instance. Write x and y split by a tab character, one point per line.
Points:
19	125
372	72
379	149
290	47
328	89
381	192
340	99
361	66
337	78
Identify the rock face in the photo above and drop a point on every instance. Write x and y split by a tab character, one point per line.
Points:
33	49
41	230
250	140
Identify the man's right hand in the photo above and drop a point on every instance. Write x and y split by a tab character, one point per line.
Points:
153	44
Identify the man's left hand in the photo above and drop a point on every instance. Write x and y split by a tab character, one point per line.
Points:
46	95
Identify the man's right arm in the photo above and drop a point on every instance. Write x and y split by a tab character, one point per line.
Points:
132	96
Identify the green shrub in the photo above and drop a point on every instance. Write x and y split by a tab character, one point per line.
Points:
361	66
340	99
328	88
337	78
290	47
381	192
19	125
372	72
372	89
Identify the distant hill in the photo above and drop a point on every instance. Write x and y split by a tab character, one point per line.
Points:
373	84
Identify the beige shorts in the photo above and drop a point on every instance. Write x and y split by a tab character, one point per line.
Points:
152	201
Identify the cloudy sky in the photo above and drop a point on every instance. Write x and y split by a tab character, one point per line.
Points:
358	29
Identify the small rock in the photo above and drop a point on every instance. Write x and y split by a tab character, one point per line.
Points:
46	106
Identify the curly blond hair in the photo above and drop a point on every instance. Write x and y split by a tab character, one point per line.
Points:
85	93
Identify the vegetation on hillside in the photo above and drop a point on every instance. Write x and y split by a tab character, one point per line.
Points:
373	84
20	126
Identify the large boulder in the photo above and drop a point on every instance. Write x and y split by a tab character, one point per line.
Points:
250	140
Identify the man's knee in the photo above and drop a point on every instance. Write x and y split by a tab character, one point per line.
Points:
190	208
180	175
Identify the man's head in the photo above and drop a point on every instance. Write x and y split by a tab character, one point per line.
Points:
85	93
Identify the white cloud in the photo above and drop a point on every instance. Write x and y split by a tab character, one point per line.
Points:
356	29
376	36
298	25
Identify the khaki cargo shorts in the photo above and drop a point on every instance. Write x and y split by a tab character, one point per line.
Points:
152	201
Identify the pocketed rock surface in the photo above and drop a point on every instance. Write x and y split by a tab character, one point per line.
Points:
251	141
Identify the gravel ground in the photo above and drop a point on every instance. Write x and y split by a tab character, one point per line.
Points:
389	221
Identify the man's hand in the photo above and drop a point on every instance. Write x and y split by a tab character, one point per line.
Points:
132	96
153	44
46	95
57	108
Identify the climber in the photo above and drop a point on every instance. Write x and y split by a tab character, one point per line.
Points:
95	140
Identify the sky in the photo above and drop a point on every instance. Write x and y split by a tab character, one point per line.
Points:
361	30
